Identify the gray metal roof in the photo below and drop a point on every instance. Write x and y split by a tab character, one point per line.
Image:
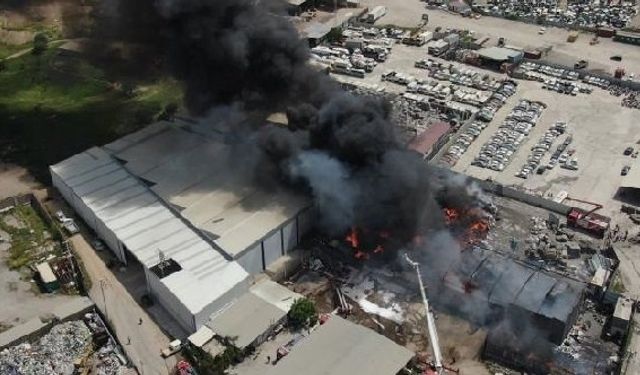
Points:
498	53
207	182
146	226
506	282
339	347
248	318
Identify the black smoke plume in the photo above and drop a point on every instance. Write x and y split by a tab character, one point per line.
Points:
230	51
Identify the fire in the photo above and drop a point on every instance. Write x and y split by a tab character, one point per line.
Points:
352	238
479	226
361	255
378	249
450	215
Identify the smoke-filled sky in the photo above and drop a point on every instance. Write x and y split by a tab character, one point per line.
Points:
341	148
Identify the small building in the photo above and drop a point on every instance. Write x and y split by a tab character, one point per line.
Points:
599	281
627	37
437	47
496	56
49	280
341	347
621	319
460	7
429	142
253	316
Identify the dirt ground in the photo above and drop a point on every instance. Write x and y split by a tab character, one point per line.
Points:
15	180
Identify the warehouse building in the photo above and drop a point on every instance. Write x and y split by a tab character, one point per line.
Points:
170	197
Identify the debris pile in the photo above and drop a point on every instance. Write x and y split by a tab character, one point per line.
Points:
54	353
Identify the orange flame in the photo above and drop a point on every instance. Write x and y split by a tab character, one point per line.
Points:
352	238
450	215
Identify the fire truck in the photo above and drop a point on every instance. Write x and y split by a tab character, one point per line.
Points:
593	223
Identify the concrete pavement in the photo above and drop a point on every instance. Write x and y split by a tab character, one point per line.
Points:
142	343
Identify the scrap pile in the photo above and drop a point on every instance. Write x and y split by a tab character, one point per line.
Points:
54	353
577	13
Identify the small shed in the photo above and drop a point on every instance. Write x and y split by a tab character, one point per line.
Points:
49	280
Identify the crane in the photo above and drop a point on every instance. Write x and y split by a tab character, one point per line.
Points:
431	324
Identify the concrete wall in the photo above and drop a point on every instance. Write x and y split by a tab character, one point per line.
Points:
522	196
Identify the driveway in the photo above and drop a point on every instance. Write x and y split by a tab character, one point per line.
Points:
142	342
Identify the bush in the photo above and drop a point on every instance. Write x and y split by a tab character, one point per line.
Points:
40	43
302	313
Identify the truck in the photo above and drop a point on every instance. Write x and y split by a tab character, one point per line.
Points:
588	220
375	14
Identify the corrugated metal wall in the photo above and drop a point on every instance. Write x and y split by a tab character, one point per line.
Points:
251	260
169	301
89	217
272	246
290	235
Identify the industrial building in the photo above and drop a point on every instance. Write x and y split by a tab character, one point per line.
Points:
430	141
549	301
494	56
621	319
341	347
171	198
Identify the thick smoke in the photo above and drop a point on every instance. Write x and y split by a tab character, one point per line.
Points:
339	148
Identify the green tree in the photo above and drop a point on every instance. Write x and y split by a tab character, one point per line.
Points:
40	43
335	35
302	313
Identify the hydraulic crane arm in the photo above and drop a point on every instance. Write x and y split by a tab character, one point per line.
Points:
431	322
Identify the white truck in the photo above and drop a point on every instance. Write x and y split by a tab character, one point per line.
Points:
375	14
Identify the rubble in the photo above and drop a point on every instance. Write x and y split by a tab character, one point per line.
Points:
54	353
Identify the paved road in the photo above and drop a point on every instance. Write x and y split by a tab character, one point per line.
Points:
123	313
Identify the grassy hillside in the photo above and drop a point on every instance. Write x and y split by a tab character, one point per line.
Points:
57	104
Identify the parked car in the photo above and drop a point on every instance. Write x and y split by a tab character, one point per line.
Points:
581	64
616	58
628	151
625	170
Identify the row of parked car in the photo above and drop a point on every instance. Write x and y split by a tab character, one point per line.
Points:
497	100
463	141
550	71
540	149
496	153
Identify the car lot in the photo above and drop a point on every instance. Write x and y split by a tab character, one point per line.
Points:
600	129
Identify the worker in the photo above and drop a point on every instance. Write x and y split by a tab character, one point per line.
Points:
140	322
268	359
128	340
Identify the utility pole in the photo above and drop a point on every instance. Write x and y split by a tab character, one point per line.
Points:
103	283
431	324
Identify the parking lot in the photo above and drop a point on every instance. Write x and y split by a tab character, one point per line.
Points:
600	128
